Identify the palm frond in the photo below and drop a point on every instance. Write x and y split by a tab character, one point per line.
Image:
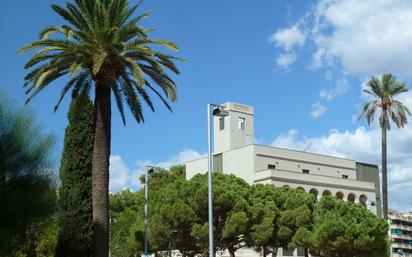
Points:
102	40
384	90
118	96
132	100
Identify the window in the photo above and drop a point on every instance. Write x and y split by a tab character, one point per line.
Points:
241	123
287	252
222	123
271	166
301	252
345	176
305	171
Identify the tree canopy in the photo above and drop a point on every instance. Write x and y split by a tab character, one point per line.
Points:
27	184
343	229
263	217
75	194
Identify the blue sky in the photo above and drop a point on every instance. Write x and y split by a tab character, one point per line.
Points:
301	66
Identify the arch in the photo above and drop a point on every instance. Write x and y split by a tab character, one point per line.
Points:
314	192
351	197
363	199
326	193
301	188
339	195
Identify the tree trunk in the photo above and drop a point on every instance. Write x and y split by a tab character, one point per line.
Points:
275	252
231	250
306	252
264	251
100	169
384	167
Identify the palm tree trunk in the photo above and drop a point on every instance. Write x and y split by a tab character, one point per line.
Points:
384	167
100	169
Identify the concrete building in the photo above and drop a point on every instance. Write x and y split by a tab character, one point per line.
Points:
236	153
401	233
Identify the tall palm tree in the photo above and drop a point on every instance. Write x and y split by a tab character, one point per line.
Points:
101	44
384	91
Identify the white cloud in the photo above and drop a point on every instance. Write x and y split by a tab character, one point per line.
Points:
288	38
364	145
182	157
359	37
317	110
328	75
285	60
122	176
341	87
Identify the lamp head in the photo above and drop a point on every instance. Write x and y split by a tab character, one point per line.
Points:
220	112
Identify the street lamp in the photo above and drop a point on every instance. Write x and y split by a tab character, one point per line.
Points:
149	170
219	111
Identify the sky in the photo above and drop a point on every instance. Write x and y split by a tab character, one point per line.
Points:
302	65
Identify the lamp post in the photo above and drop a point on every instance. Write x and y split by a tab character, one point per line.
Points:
149	169
219	111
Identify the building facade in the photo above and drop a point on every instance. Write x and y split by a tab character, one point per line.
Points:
236	153
401	233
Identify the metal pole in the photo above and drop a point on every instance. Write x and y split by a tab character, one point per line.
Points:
145	210
210	170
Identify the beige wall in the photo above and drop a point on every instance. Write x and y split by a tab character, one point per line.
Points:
240	162
292	160
196	167
231	137
321	184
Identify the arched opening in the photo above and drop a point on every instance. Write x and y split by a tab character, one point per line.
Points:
301	188
339	195
363	199
326	193
314	192
351	197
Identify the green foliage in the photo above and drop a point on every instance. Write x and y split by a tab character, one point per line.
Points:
230	210
384	91
27	189
102	43
343	229
171	215
261	216
264	217
126	223
75	195
41	239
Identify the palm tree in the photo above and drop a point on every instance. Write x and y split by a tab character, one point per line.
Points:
384	92
102	45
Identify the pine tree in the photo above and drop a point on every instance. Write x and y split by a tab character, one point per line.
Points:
75	196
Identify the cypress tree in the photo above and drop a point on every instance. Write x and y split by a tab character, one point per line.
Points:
75	196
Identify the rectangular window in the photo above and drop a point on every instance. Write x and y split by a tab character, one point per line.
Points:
287	252
271	167
300	252
305	171
345	176
222	123
241	123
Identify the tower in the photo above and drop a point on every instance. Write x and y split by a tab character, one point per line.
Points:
235	130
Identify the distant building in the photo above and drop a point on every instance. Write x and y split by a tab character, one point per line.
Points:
401	233
236	153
